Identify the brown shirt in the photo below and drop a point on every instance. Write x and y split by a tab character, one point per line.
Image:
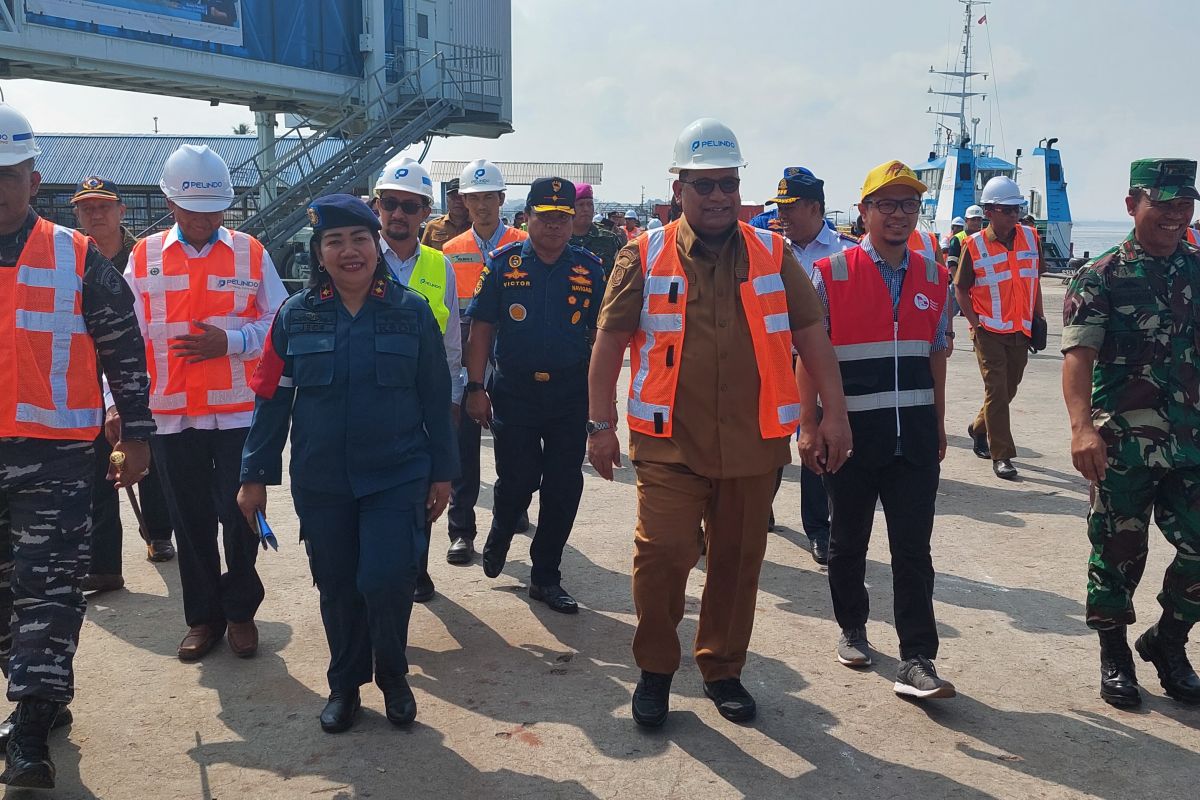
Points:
441	230
716	431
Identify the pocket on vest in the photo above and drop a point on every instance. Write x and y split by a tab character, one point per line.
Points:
396	359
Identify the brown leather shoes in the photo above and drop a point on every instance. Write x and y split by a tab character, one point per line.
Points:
199	640
243	638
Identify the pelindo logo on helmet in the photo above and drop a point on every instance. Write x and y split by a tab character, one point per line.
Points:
708	143
202	185
402	172
479	173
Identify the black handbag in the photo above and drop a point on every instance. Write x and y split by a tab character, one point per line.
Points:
1037	335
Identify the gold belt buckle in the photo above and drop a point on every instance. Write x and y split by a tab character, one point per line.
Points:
541	377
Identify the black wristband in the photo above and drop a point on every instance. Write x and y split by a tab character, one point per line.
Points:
475	386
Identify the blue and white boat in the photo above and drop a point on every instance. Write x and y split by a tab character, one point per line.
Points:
959	165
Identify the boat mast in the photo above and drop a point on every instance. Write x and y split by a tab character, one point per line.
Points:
941	146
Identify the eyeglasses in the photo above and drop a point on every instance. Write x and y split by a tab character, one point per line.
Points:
1008	211
410	207
910	206
705	186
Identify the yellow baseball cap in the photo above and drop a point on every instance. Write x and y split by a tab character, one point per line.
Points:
891	173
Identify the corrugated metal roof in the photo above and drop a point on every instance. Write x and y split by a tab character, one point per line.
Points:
523	173
137	159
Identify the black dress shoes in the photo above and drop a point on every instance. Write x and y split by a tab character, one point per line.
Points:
652	699
461	551
495	553
423	592
399	703
340	711
820	551
731	699
979	444
556	597
1004	469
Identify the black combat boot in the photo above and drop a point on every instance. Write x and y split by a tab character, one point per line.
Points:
1163	646
1118	679
29	763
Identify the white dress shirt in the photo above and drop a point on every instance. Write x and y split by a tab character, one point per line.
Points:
244	343
402	269
826	243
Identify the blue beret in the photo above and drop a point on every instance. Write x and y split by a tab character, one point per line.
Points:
341	211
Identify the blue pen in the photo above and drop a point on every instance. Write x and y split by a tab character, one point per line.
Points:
265	534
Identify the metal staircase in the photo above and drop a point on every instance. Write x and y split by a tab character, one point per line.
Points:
399	111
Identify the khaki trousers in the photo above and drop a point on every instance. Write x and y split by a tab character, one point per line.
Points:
672	501
1002	358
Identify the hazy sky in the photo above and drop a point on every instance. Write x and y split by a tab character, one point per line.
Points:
836	86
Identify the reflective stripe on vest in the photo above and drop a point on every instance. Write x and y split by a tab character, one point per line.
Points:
658	343
468	261
429	279
47	358
1006	281
220	289
926	244
877	345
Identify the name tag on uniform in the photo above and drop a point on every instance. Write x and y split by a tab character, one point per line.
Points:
397	322
302	321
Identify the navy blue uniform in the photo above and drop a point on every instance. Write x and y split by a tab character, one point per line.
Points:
544	316
368	400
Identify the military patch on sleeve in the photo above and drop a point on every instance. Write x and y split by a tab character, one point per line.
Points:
479	284
621	269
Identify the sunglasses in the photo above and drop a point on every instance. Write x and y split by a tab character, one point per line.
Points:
410	207
705	186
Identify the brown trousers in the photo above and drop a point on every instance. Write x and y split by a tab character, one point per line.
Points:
672	501
1002	358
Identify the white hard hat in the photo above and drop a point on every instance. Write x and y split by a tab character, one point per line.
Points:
1002	191
654	222
405	175
17	142
597	218
197	179
630	214
481	175
706	144
958	221
975	212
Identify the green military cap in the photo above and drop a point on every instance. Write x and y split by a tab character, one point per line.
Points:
1164	178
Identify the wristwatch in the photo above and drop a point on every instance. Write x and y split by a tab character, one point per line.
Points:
475	386
596	427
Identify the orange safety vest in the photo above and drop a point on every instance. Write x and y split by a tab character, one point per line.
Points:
1006	281
1193	236
51	386
927	245
468	260
658	342
174	290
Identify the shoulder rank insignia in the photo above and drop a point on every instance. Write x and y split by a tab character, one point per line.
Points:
326	292
379	289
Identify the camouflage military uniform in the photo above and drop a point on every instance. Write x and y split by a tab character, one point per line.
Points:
45	497
603	244
1140	314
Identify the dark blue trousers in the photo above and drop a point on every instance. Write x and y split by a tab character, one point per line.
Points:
814	506
540	441
464	490
364	554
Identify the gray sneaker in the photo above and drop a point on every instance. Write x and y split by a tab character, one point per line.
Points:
917	678
853	649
